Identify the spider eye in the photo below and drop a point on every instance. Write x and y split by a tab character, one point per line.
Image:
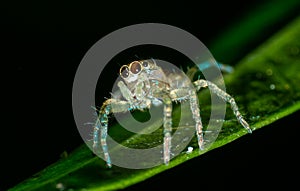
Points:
135	67
124	71
145	64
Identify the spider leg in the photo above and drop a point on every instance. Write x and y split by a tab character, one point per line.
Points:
196	115
184	94
191	72
167	125
101	125
207	64
226	97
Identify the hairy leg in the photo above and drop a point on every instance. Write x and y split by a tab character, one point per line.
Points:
167	125
101	125
226	97
190	94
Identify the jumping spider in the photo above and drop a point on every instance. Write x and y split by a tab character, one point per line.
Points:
146	83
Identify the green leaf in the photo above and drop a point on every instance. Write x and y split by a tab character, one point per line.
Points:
251	28
265	85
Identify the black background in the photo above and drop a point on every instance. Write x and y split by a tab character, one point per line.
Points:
44	43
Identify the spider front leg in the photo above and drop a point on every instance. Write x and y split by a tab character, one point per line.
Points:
226	97
101	125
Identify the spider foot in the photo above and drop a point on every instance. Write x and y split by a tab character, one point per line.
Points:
107	159
245	125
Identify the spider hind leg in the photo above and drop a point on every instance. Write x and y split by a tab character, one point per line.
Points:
226	97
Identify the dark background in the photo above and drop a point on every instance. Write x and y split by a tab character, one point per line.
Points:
44	43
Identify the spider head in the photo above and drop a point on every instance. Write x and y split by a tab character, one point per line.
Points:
132	71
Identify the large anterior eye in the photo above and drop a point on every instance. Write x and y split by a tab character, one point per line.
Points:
135	67
124	71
